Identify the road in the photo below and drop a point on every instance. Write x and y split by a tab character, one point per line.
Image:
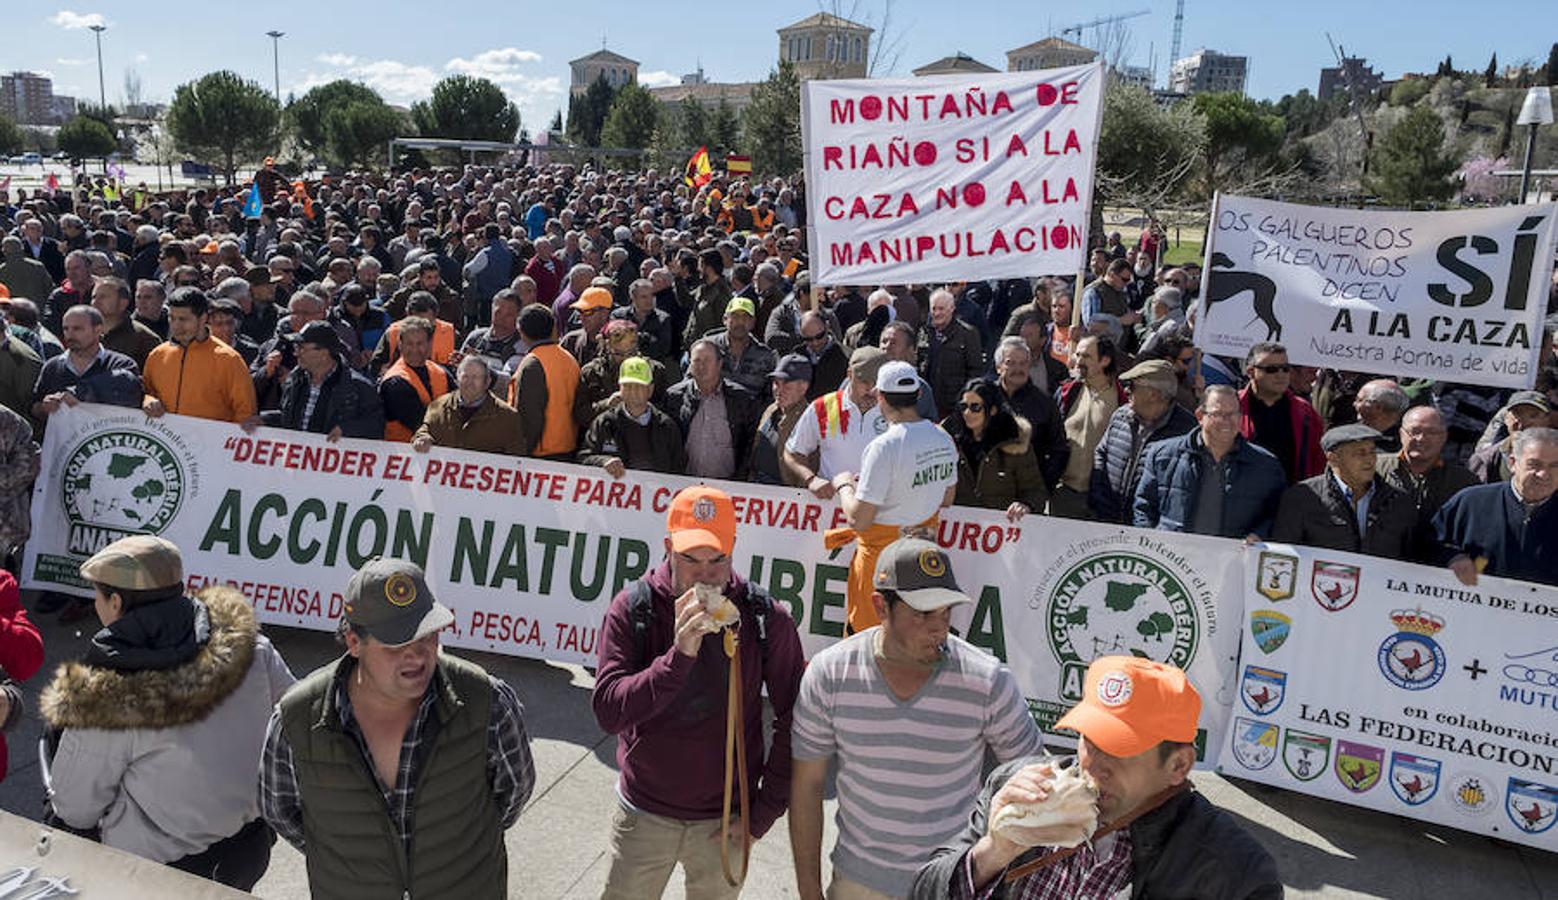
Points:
558	848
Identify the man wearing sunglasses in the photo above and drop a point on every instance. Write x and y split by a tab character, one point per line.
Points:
1273	417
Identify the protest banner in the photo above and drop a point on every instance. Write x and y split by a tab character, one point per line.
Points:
950	178
529	553
1394	687
1451	296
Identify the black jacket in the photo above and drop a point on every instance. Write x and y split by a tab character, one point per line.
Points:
603	441
741	409
1049	431
1489	521
346	399
1315	513
1185	848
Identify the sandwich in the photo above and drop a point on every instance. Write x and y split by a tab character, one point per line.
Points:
722	612
1066	818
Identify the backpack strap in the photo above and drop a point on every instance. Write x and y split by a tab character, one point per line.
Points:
641	612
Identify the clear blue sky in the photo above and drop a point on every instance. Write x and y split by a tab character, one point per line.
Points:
402	48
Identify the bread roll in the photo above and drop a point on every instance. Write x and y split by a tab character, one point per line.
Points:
721	611
1066	818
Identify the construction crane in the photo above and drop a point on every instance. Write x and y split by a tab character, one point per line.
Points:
1179	31
1106	20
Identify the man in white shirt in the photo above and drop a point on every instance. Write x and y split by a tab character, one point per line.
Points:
832	433
906	476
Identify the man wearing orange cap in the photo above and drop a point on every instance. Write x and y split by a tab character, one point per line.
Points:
594	307
662	689
1156	836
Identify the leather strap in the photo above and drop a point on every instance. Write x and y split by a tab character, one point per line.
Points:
1055	856
735	751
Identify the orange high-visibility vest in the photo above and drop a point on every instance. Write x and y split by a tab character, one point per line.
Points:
559	434
394	430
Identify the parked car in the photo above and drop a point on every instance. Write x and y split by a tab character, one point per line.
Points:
32	159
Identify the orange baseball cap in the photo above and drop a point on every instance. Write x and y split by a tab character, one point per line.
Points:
593	298
1130	705
701	517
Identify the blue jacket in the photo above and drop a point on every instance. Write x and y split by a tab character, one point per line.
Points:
1117	459
1488	520
1170	483
496	276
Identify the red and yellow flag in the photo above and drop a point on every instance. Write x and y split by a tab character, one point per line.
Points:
738	165
698	170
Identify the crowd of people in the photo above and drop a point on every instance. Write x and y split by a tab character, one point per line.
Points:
628	321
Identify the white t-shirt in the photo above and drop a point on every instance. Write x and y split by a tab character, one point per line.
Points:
906	472
841	452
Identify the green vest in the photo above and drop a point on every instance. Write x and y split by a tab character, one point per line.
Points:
350	843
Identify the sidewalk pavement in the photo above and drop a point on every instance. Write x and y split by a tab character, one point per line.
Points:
558	848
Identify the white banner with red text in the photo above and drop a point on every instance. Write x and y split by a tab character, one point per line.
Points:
1395	687
529	553
950	178
1450	296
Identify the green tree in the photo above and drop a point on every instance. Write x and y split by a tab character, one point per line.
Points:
467	108
632	118
1410	163
1490	75
86	138
223	115
306	114
11	138
587	112
557	122
1551	69
1146	154
1407	93
358	133
1238	135
692	124
724	130
773	123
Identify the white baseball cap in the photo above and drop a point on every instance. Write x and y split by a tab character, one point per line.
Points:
897	377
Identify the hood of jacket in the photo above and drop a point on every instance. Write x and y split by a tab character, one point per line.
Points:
1007	432
87	695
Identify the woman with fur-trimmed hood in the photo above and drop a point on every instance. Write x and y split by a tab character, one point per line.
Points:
997	468
156	734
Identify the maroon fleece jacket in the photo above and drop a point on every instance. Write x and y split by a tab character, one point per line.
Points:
668	710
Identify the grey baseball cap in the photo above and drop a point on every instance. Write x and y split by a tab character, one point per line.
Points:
1529	398
391	600
919	572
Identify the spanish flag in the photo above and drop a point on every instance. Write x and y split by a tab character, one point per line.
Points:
738	165
698	170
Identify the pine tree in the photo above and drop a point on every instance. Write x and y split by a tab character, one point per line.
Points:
1552	65
631	120
724	130
557	122
773	123
1409	162
1490	77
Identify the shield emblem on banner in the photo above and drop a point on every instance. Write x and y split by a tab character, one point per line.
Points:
1358	766
1334	585
1277	576
1254	743
1414	779
1532	807
1305	755
1269	628
1263	689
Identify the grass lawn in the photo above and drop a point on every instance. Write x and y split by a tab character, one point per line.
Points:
1187	251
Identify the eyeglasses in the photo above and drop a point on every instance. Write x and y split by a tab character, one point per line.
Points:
971	407
1273	370
814	338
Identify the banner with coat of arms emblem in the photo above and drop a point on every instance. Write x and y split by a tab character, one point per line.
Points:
1395	687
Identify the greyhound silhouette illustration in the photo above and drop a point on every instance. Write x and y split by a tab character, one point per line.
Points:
1222	283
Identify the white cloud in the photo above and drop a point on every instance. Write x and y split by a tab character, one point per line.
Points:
141	58
72	62
68	19
658	78
404	83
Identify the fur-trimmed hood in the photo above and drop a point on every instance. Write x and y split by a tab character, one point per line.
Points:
88	696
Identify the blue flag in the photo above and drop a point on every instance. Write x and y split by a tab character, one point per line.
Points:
251	206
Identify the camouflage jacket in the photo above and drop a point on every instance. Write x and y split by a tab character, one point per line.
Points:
18	468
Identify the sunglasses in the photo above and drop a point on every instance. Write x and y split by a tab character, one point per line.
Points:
814	338
1273	370
971	407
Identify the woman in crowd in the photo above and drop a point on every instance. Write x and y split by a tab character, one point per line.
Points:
997	468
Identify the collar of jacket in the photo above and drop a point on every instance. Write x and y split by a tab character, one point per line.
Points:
447	702
159	635
83	695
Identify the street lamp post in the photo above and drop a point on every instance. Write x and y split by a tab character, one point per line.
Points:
1535	112
102	94
275	44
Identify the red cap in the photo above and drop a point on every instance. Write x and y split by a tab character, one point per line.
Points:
1130	705
701	516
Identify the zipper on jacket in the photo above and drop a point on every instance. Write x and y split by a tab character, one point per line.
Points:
178	395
